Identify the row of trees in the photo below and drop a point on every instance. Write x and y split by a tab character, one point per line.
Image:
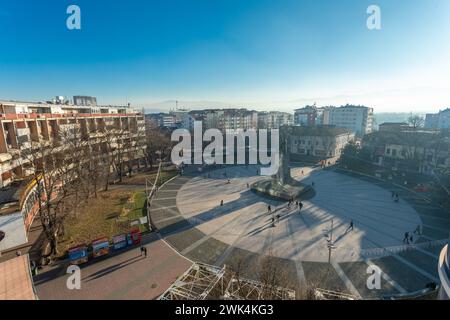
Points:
70	168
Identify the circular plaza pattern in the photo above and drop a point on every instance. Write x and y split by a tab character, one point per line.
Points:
189	216
244	221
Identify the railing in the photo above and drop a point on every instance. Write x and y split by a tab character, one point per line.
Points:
322	294
16	116
378	252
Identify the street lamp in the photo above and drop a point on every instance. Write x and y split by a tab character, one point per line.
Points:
331	245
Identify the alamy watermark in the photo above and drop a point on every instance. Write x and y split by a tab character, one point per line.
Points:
189	151
374	19
374	279
74	280
73	22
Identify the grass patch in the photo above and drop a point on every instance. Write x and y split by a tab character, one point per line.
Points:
108	215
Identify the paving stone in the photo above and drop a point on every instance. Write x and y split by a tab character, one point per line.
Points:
406	277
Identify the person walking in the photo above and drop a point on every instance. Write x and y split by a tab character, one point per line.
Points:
221	203
406	238
300	206
269	209
350	227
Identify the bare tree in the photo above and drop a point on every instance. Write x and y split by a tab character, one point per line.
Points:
416	121
55	165
158	145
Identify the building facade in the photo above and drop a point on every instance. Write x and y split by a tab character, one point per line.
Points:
228	119
439	120
358	119
85	101
320	141
23	124
274	119
306	116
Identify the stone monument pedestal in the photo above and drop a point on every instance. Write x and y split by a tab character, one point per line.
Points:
273	188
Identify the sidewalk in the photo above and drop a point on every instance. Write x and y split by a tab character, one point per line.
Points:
126	276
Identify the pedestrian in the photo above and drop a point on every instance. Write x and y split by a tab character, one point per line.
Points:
411	239
270	209
142	250
350	227
300	205
221	203
278	217
406	238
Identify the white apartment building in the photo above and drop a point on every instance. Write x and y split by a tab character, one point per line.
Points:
357	119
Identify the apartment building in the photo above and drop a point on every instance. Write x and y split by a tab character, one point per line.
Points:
274	119
358	119
23	123
229	119
439	120
305	116
312	116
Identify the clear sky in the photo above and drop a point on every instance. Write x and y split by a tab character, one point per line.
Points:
264	53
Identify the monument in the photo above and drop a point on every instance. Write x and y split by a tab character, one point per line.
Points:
282	185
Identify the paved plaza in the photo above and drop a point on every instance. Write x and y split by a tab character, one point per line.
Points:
190	217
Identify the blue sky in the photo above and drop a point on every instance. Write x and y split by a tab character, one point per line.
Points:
260	53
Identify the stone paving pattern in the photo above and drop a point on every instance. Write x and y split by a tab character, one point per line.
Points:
188	215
